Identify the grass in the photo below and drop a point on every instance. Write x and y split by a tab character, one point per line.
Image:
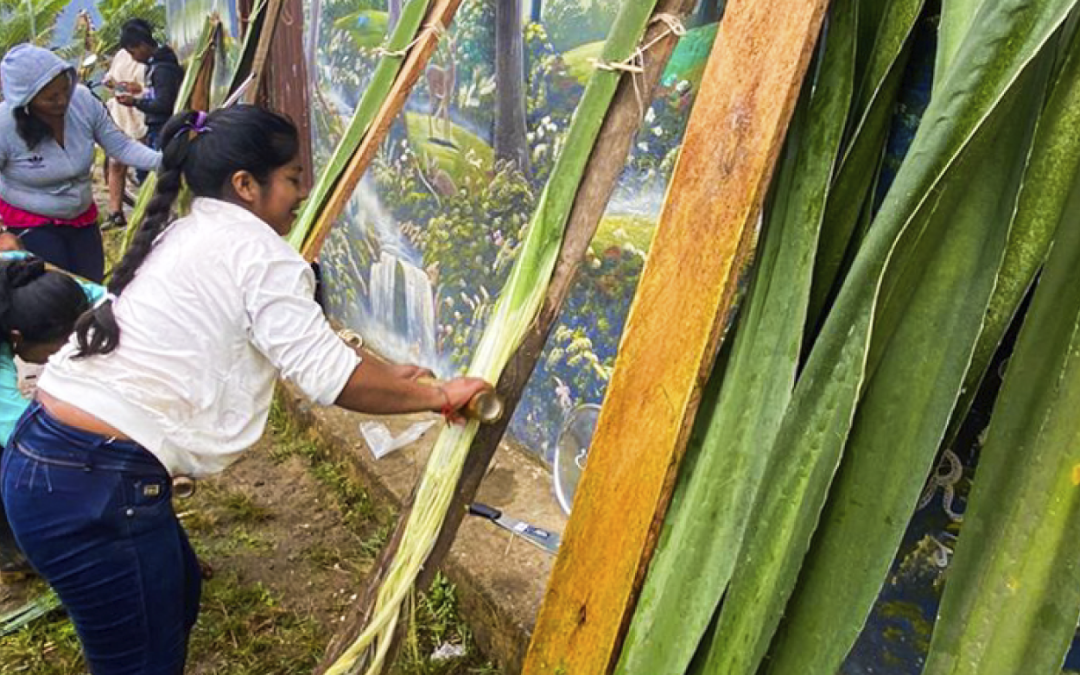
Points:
453	149
623	229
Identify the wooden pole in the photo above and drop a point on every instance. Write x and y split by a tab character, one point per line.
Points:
437	20
262	50
601	177
684	300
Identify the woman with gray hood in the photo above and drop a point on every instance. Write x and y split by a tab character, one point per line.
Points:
49	125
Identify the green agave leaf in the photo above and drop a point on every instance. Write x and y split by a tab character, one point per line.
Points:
705	523
1055	159
1007	36
382	81
1013	593
930	310
859	167
956	18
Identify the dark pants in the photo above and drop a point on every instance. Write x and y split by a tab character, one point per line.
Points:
75	249
152	139
95	518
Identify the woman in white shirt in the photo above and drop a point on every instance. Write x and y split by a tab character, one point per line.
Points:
123	71
173	376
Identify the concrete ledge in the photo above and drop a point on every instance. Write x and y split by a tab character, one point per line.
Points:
500	579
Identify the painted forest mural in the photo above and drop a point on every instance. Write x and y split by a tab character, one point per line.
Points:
430	235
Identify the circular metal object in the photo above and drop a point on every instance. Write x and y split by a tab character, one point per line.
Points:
572	450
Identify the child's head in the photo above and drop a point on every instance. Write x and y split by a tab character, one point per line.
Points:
242	154
38	308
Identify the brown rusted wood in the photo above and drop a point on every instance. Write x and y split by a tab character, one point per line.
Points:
601	177
286	79
440	15
269	22
683	301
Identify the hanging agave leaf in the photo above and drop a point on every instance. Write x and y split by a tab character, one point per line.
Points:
1013	592
1006	37
872	111
704	524
1055	159
930	310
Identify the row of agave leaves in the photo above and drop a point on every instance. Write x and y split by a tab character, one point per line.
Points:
862	339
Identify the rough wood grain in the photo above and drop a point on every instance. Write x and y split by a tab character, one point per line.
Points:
440	15
683	302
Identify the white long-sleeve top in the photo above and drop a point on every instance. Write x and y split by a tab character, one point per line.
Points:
216	312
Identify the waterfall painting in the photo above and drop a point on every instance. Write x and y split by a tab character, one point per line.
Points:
417	260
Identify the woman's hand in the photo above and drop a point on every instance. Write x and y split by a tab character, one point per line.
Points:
125	99
458	392
133	88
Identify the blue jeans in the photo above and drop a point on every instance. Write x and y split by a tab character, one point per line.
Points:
76	249
95	519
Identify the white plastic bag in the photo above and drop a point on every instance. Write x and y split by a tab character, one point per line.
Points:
382	442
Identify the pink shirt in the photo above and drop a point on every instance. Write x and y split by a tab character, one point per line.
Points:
12	216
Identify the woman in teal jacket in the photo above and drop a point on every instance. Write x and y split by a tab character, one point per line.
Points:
38	309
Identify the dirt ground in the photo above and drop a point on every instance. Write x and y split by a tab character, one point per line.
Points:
290	539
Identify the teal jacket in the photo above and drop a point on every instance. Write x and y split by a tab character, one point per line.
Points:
12	403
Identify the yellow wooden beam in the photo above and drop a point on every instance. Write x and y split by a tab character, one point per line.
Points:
684	300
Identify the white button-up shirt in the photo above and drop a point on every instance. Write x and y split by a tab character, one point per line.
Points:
219	309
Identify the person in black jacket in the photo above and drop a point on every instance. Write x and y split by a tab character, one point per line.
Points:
163	76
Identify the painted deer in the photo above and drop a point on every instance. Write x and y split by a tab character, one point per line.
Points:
441	82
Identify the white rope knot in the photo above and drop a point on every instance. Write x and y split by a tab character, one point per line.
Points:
635	63
435	28
675	26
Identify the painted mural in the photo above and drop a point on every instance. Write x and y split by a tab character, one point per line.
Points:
429	238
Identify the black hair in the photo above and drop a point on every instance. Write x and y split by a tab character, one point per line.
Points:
42	305
238	138
29	127
137	32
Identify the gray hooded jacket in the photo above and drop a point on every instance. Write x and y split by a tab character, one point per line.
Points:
51	180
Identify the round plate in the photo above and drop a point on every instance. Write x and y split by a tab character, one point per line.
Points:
571	451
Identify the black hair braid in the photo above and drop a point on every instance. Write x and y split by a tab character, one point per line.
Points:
97	330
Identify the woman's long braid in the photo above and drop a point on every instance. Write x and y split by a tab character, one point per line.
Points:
97	330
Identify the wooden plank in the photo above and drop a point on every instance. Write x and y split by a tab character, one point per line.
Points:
437	20
706	233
